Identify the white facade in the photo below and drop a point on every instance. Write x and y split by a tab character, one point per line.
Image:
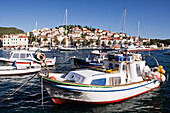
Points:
15	40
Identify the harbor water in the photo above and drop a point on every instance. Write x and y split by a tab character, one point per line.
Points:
28	98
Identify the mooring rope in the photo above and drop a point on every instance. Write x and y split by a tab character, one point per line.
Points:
14	91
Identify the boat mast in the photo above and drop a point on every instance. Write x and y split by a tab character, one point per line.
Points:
138	28
36	32
66	30
124	21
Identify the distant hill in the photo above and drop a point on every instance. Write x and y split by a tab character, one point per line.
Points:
10	30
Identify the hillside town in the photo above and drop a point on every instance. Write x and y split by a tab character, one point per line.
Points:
76	35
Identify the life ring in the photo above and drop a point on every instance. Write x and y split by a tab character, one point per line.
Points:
53	78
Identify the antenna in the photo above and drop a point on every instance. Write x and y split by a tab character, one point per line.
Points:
138	28
36	32
66	29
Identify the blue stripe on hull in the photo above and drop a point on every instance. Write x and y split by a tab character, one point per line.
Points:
102	90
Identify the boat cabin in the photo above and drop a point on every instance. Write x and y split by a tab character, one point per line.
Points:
22	54
96	55
119	69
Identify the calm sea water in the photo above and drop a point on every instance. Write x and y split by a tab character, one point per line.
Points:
28	98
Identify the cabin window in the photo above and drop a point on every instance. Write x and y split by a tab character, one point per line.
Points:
74	77
33	55
114	80
113	66
96	57
110	66
91	57
27	55
99	81
22	55
16	55
138	71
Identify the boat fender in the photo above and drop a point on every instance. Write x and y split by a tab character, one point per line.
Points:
157	75
53	78
163	78
161	70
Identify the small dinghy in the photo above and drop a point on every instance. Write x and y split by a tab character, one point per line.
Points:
125	75
19	69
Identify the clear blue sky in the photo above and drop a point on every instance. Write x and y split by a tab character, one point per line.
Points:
154	15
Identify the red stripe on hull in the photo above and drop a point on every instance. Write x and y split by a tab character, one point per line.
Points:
29	62
62	101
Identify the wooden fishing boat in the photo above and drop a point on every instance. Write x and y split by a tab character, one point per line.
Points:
124	76
24	57
94	59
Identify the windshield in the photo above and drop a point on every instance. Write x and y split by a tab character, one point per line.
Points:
112	66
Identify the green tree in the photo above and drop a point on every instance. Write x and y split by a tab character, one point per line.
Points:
63	41
114	42
71	26
87	27
78	41
152	42
80	26
71	40
91	41
145	43
56	40
30	37
44	40
85	43
120	43
109	43
97	42
82	35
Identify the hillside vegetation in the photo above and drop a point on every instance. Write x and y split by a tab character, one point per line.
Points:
10	30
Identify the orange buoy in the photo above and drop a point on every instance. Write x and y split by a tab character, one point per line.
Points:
53	78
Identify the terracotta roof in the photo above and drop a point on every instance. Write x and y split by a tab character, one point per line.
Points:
23	37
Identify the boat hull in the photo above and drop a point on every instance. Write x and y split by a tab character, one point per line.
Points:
11	72
61	92
79	63
27	62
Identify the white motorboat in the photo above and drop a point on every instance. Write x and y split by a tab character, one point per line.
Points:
125	76
67	48
25	57
19	70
